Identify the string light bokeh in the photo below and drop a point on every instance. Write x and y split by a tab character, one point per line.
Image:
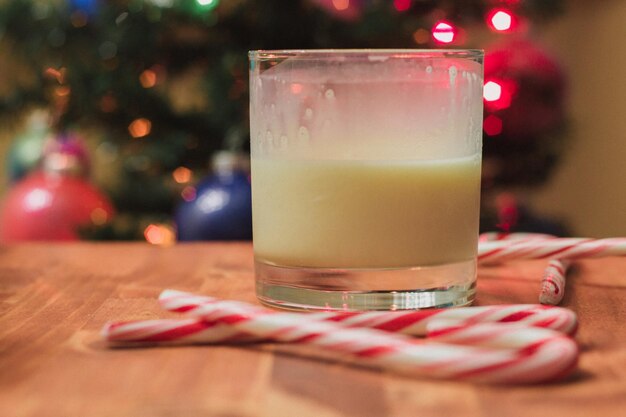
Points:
202	90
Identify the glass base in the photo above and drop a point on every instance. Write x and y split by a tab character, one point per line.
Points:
296	288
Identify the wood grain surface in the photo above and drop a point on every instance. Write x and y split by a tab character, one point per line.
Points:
55	298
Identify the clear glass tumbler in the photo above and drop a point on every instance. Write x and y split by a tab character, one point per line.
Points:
365	177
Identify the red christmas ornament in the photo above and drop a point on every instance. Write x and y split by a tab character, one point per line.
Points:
50	206
525	88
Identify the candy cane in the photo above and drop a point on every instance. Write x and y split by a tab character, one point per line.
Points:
561	248
551	358
174	331
553	282
407	322
493	335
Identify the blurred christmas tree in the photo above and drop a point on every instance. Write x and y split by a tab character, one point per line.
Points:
163	83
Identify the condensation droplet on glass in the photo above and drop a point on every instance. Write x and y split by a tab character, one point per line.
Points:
269	138
308	113
303	133
429	69
330	94
453	73
284	141
273	108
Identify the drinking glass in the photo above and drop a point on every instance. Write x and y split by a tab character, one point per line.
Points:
365	177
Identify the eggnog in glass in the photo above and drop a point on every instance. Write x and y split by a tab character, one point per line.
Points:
365	177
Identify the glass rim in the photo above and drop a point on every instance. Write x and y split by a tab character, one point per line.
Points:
309	54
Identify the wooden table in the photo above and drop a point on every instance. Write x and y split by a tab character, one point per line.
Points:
55	298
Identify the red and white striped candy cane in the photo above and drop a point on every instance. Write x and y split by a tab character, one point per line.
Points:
553	279
560	248
493	335
174	331
552	358
407	322
553	282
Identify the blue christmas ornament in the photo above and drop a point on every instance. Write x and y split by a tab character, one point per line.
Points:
89	7
222	207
